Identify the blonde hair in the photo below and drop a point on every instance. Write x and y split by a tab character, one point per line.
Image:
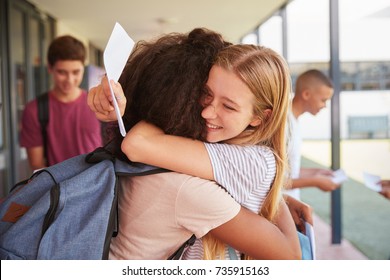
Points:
267	76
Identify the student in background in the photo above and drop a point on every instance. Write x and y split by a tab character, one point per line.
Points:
72	128
312	90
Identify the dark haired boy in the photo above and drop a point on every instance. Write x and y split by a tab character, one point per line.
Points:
72	128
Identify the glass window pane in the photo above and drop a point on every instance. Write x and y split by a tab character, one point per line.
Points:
250	38
308	31
270	34
362	24
19	85
35	57
365	120
18	60
365	101
308	47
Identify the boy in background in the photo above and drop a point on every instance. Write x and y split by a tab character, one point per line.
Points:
72	128
312	90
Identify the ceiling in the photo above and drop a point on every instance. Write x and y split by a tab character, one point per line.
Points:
148	18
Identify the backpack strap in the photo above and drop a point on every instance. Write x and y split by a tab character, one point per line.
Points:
43	117
54	202
179	252
98	155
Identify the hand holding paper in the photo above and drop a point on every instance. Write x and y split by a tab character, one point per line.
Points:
115	56
372	182
339	176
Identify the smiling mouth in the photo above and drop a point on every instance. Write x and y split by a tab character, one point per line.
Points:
212	126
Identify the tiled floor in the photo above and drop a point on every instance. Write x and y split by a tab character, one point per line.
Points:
325	250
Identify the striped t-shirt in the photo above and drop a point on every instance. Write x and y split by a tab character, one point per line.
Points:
246	172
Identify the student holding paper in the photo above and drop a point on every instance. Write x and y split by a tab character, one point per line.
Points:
312	90
141	104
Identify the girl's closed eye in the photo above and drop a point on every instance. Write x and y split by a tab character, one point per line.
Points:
229	107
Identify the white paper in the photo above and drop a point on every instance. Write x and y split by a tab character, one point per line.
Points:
310	234
372	181
115	56
339	176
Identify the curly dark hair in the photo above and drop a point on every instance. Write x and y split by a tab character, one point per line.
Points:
164	80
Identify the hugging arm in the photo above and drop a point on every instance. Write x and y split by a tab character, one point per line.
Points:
148	144
259	238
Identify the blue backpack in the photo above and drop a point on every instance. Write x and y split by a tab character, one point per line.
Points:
67	211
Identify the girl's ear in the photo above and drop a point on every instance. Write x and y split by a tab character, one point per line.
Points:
257	120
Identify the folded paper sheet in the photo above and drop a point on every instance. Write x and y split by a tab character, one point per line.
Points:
372	182
115	56
339	176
